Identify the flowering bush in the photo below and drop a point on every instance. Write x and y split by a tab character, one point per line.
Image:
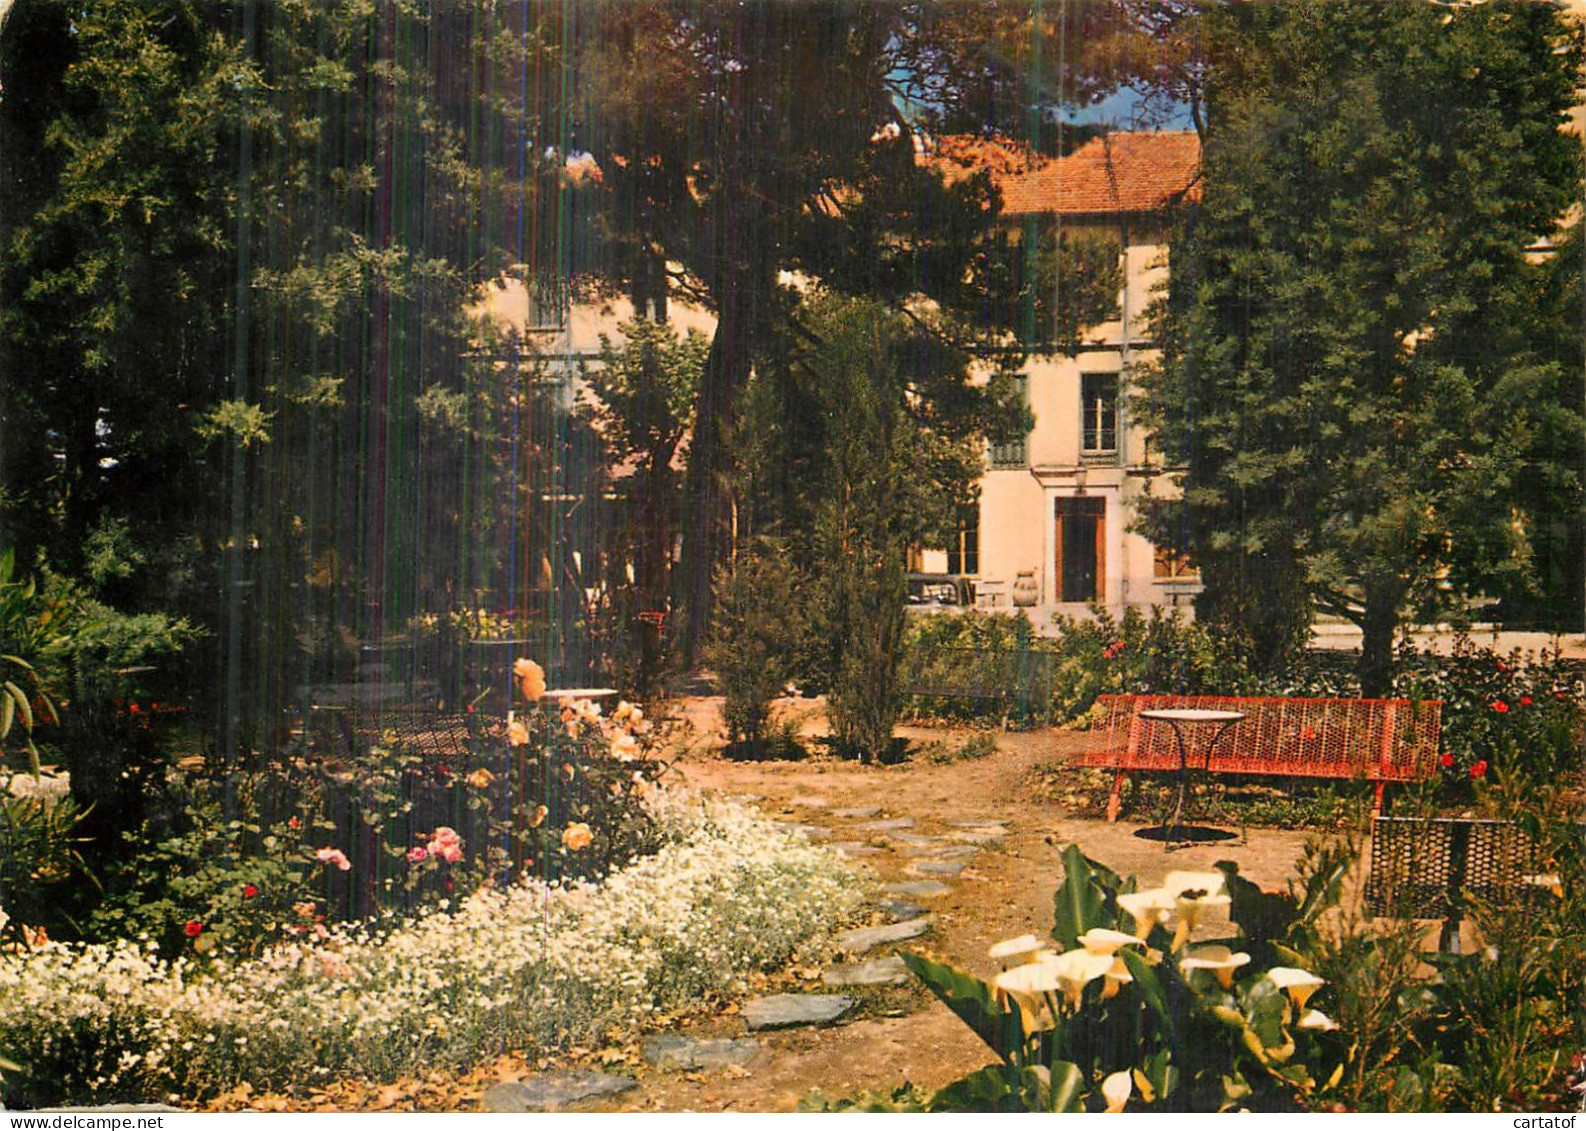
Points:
529	967
1500	711
388	823
39	837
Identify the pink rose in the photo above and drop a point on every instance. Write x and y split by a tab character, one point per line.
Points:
418	855
334	856
445	843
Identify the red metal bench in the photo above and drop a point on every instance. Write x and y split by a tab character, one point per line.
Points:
1376	740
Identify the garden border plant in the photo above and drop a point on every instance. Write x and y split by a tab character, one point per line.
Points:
533	967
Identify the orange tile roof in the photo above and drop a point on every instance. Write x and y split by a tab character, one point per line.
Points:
1121	172
958	156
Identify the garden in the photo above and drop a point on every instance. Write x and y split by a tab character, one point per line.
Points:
421	917
654	556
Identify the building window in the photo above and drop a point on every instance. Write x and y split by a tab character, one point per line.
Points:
1098	413
1174	565
1014	453
963	552
1081	549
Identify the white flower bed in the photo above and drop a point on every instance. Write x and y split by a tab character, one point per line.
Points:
529	968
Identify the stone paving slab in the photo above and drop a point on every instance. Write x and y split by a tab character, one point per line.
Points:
977	836
668	1050
889	825
888	971
809	802
940	867
862	811
864	938
914	838
784	1011
856	848
984	823
898	909
814	832
919	889
550	1091
942	851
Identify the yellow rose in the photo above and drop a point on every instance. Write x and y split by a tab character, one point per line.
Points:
531	679
537	818
517	733
577	837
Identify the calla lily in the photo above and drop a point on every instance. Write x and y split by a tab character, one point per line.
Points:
1315	1019
1076	969
1193	901
1028	986
1031	978
1100	940
1116	1090
1117	978
1148	908
1549	880
1298	984
1015	948
1218	959
1195	885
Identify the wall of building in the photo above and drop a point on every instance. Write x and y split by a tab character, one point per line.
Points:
1020	505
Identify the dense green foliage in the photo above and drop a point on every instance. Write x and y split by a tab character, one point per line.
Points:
1370	423
761	633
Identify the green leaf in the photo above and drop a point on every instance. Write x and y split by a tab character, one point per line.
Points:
1065	1091
1407	1092
975	1003
1156	1077
1146	981
21	699
8	709
1080	903
985	1089
1266	1019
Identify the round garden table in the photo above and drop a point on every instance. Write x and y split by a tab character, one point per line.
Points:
568	694
1178	718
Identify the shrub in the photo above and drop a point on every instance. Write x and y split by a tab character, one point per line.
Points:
977	666
1162	654
1500	711
381	825
760	633
533	967
39	856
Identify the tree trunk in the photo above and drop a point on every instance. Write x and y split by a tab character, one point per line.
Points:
707	508
1378	623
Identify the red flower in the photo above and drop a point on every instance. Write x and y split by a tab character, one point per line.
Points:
1479	770
1500	706
1446	761
294	823
193	929
249	891
135	709
1525	700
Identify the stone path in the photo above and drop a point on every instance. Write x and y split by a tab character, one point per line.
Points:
892	844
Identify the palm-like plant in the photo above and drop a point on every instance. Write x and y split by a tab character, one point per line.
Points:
29	623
